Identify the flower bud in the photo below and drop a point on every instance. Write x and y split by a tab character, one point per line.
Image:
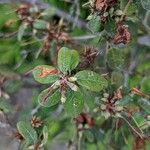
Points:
118	12
63	99
105	14
103	107
104	99
106	95
72	79
111	10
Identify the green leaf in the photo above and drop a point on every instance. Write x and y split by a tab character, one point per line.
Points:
28	133
145	4
5	106
144	104
74	102
45	135
139	119
10	52
110	26
94	23
48	99
5	16
8	73
125	101
49	12
117	78
146	21
115	59
89	136
12	86
91	80
45	74
67	59
132	7
40	24
21	31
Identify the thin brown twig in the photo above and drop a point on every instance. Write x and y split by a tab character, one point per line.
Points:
141	136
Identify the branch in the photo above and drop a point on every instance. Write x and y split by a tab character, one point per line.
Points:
7	35
125	10
60	13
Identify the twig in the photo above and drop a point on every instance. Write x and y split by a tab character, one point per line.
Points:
7	35
132	66
87	37
77	5
79	136
141	136
125	10
62	14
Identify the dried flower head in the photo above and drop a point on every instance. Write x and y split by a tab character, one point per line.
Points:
123	35
89	57
85	120
118	94
36	122
104	5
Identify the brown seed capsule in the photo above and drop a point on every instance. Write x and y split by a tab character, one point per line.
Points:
36	122
84	119
123	35
104	5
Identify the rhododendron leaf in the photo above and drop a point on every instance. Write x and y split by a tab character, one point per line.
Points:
45	135
21	32
67	59
115	58
74	102
49	98
91	80
45	74
40	24
28	133
94	23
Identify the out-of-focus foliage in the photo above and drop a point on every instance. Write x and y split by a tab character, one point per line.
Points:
90	62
